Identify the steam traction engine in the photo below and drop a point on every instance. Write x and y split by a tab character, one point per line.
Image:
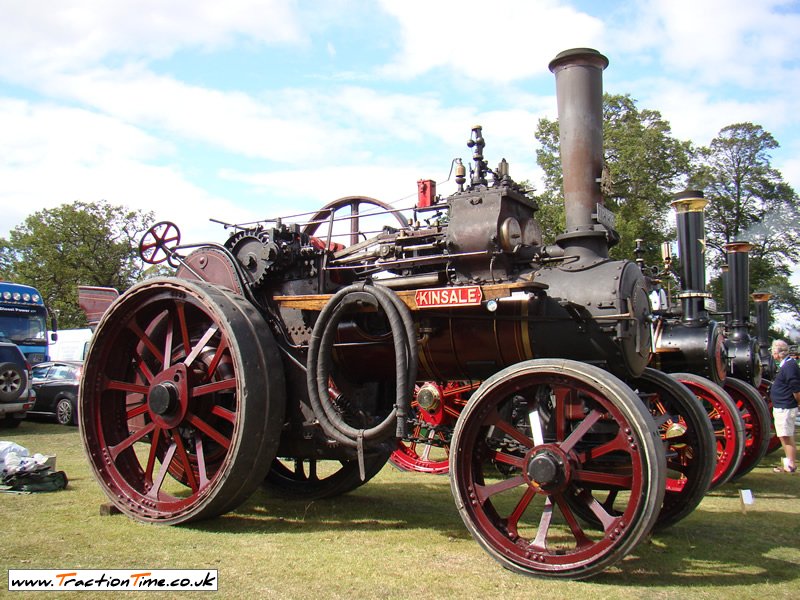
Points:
280	349
695	349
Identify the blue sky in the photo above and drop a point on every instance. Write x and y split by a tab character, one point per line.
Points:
245	109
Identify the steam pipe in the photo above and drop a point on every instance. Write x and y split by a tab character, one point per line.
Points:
579	93
689	206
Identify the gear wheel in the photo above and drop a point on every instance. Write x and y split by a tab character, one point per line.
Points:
255	252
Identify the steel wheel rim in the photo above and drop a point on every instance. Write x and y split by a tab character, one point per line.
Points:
153	413
630	446
686	432
726	422
757	428
774	440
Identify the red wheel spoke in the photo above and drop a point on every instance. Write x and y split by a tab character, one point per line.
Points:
180	311
184	458
162	472
151	457
143	368
484	492
216	386
452	411
115	450
198	347
148	343
168	344
135	411
581	430
208	430
599	511
519	510
540	542
580	537
212	366
509	459
124	386
618	443
611	479
201	461
223	412
511	431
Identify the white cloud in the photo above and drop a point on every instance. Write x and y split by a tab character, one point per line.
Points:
501	41
698	114
751	43
55	155
46	37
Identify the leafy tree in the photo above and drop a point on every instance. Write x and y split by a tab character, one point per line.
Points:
750	201
55	250
644	166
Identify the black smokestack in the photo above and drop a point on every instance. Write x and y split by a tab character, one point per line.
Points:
739	284
689	207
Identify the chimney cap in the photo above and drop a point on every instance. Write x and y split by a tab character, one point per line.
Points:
577	56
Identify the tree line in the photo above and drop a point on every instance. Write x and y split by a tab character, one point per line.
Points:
645	165
96	243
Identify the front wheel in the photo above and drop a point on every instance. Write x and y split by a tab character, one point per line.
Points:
537	439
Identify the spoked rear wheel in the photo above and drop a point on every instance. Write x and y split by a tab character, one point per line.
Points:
688	437
182	401
311	479
757	420
726	421
539	437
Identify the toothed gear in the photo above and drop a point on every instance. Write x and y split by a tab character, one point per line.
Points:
255	252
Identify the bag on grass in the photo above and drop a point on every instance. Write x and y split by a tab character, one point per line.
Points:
35	481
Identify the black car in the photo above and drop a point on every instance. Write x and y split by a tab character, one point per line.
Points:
16	396
56	385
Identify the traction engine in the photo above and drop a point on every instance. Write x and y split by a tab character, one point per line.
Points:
280	352
695	350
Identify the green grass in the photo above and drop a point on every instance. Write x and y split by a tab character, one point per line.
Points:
399	536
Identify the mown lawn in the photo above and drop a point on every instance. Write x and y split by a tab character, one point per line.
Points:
399	536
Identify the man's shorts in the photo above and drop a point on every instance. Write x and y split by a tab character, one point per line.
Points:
784	421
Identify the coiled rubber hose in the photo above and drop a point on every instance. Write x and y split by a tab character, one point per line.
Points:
320	358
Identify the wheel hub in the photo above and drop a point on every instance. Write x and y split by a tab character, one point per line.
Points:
429	397
163	399
547	469
168	398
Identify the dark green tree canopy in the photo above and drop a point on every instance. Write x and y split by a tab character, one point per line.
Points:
55	250
644	166
749	201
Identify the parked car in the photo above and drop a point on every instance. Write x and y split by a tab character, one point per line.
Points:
56	384
16	395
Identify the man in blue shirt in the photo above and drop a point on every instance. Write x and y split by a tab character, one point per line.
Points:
785	392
